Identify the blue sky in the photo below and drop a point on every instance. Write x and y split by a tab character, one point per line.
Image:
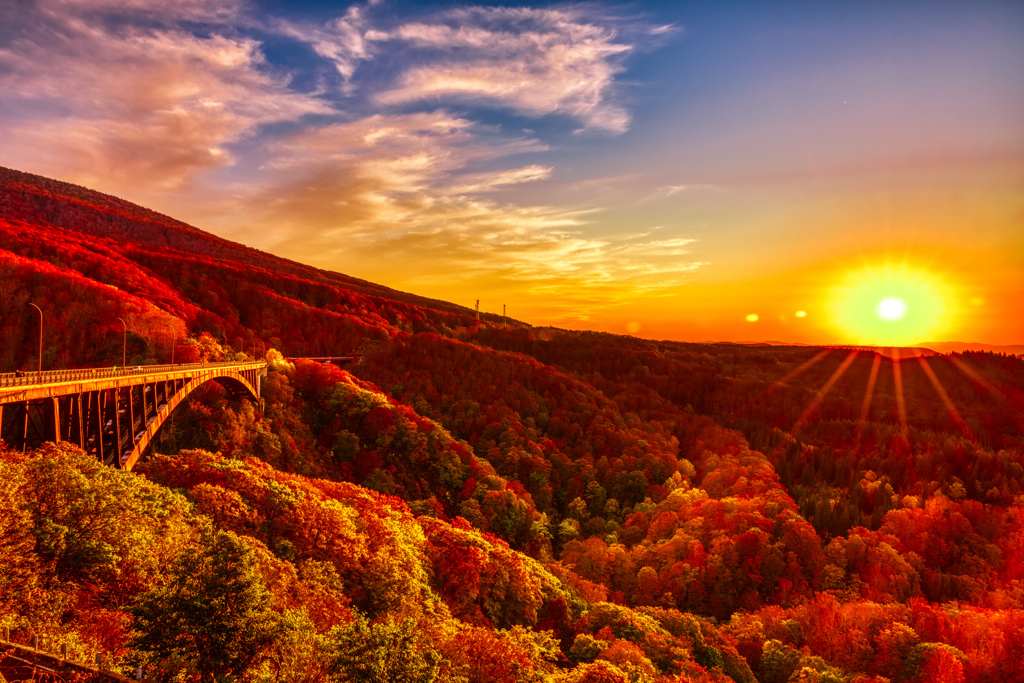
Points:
666	169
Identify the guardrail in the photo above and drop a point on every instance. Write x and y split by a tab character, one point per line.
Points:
64	664
12	379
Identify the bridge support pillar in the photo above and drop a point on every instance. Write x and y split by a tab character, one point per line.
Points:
117	428
51	420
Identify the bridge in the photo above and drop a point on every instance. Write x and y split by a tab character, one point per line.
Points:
336	360
111	413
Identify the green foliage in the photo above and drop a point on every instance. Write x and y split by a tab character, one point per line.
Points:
778	662
586	648
213	614
709	657
299	652
388	650
87	517
568	530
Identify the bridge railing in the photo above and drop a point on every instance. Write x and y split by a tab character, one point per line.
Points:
12	379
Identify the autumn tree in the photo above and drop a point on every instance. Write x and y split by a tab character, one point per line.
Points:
388	650
214	613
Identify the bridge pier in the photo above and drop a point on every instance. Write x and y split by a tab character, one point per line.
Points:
51	420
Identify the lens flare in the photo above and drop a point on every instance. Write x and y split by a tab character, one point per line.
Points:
891	305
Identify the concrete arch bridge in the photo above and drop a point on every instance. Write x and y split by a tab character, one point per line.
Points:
112	413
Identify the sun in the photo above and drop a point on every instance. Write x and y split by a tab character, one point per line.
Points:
891	305
891	308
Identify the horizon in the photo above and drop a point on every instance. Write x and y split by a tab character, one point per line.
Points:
840	175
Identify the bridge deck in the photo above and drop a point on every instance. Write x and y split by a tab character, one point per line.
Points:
36	385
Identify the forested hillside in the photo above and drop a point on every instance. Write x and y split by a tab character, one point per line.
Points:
474	501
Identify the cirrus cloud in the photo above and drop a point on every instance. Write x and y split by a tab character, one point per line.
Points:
534	61
399	190
135	107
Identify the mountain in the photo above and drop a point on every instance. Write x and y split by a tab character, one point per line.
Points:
481	502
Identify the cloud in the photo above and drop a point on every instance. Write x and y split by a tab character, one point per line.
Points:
497	180
667	191
342	41
135	107
398	190
533	61
215	11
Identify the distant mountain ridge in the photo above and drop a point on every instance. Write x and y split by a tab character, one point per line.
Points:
934	347
960	347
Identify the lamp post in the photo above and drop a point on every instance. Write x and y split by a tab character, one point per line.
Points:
174	338
40	335
124	346
263	349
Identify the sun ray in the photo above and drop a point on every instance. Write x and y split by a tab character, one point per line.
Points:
901	404
977	377
954	414
865	407
820	396
796	371
988	385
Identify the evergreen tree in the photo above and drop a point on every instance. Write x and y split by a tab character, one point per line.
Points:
213	615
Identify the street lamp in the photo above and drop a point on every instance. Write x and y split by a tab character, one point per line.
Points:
40	335
174	338
263	349
124	346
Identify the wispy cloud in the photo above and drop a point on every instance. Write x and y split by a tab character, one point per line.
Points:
342	41
136	107
497	180
667	191
187	10
398	189
533	61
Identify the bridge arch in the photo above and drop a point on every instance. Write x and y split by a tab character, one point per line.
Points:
113	414
236	384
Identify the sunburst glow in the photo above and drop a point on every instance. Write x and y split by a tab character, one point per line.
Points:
891	305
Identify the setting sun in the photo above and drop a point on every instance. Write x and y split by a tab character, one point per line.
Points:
893	304
891	308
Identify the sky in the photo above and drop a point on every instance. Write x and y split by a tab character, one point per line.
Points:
810	172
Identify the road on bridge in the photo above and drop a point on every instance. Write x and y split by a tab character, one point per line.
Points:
112	413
